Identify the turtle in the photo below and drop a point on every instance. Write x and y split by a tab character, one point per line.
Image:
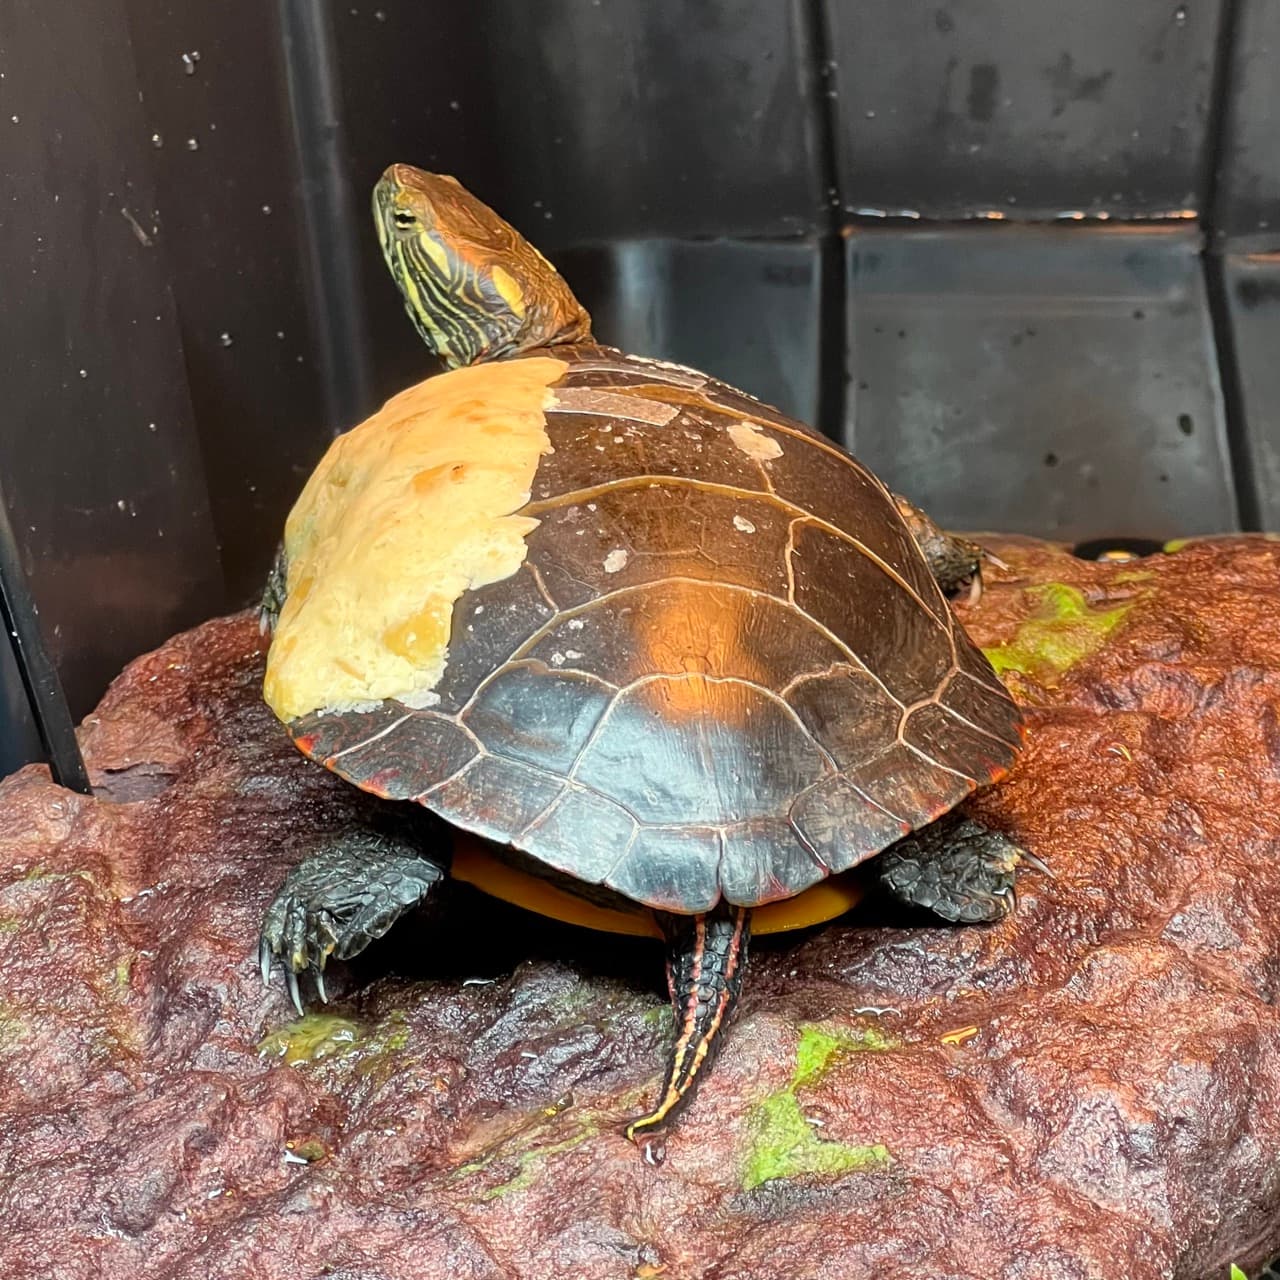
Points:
653	656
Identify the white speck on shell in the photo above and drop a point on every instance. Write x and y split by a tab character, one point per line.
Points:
752	440
419	701
615	561
743	525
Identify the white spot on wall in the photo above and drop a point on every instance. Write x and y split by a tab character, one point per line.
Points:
743	525
615	560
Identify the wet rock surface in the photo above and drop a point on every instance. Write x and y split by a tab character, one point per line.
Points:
1090	1089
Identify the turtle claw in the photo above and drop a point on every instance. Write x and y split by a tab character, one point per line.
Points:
318	977
1025	855
292	978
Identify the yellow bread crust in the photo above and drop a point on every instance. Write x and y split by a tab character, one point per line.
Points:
474	864
404	513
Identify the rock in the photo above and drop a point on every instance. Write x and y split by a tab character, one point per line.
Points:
1090	1089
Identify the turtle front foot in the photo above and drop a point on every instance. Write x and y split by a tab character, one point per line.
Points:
343	897
274	593
957	868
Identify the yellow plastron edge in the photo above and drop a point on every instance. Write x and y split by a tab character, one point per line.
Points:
473	864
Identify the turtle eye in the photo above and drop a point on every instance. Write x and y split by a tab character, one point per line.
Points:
405	220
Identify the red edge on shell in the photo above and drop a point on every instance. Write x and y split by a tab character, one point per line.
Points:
380	783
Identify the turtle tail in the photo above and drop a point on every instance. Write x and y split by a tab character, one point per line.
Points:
707	957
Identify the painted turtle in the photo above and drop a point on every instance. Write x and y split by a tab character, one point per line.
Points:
677	659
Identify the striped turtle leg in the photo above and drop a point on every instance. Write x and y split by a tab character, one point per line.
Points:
707	956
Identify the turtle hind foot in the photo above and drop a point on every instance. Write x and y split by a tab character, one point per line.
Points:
956	868
707	955
348	893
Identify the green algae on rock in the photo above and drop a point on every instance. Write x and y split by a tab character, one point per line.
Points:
1063	629
529	1162
311	1037
783	1141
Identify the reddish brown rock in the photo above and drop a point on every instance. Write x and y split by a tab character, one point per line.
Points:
1089	1090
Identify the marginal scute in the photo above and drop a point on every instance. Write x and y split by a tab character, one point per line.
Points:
494	797
764	861
910	786
583	834
403	763
675	868
956	744
322	736
974	699
404	513
841	825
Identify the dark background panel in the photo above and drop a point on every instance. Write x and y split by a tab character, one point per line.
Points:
954	108
18	739
747	312
100	466
1248	197
233	221
1041	379
1252	290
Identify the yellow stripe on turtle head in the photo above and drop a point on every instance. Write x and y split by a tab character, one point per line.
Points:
404	513
475	288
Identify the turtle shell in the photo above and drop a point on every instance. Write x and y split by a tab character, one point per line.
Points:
721	670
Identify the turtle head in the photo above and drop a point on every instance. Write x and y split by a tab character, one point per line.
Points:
473	285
